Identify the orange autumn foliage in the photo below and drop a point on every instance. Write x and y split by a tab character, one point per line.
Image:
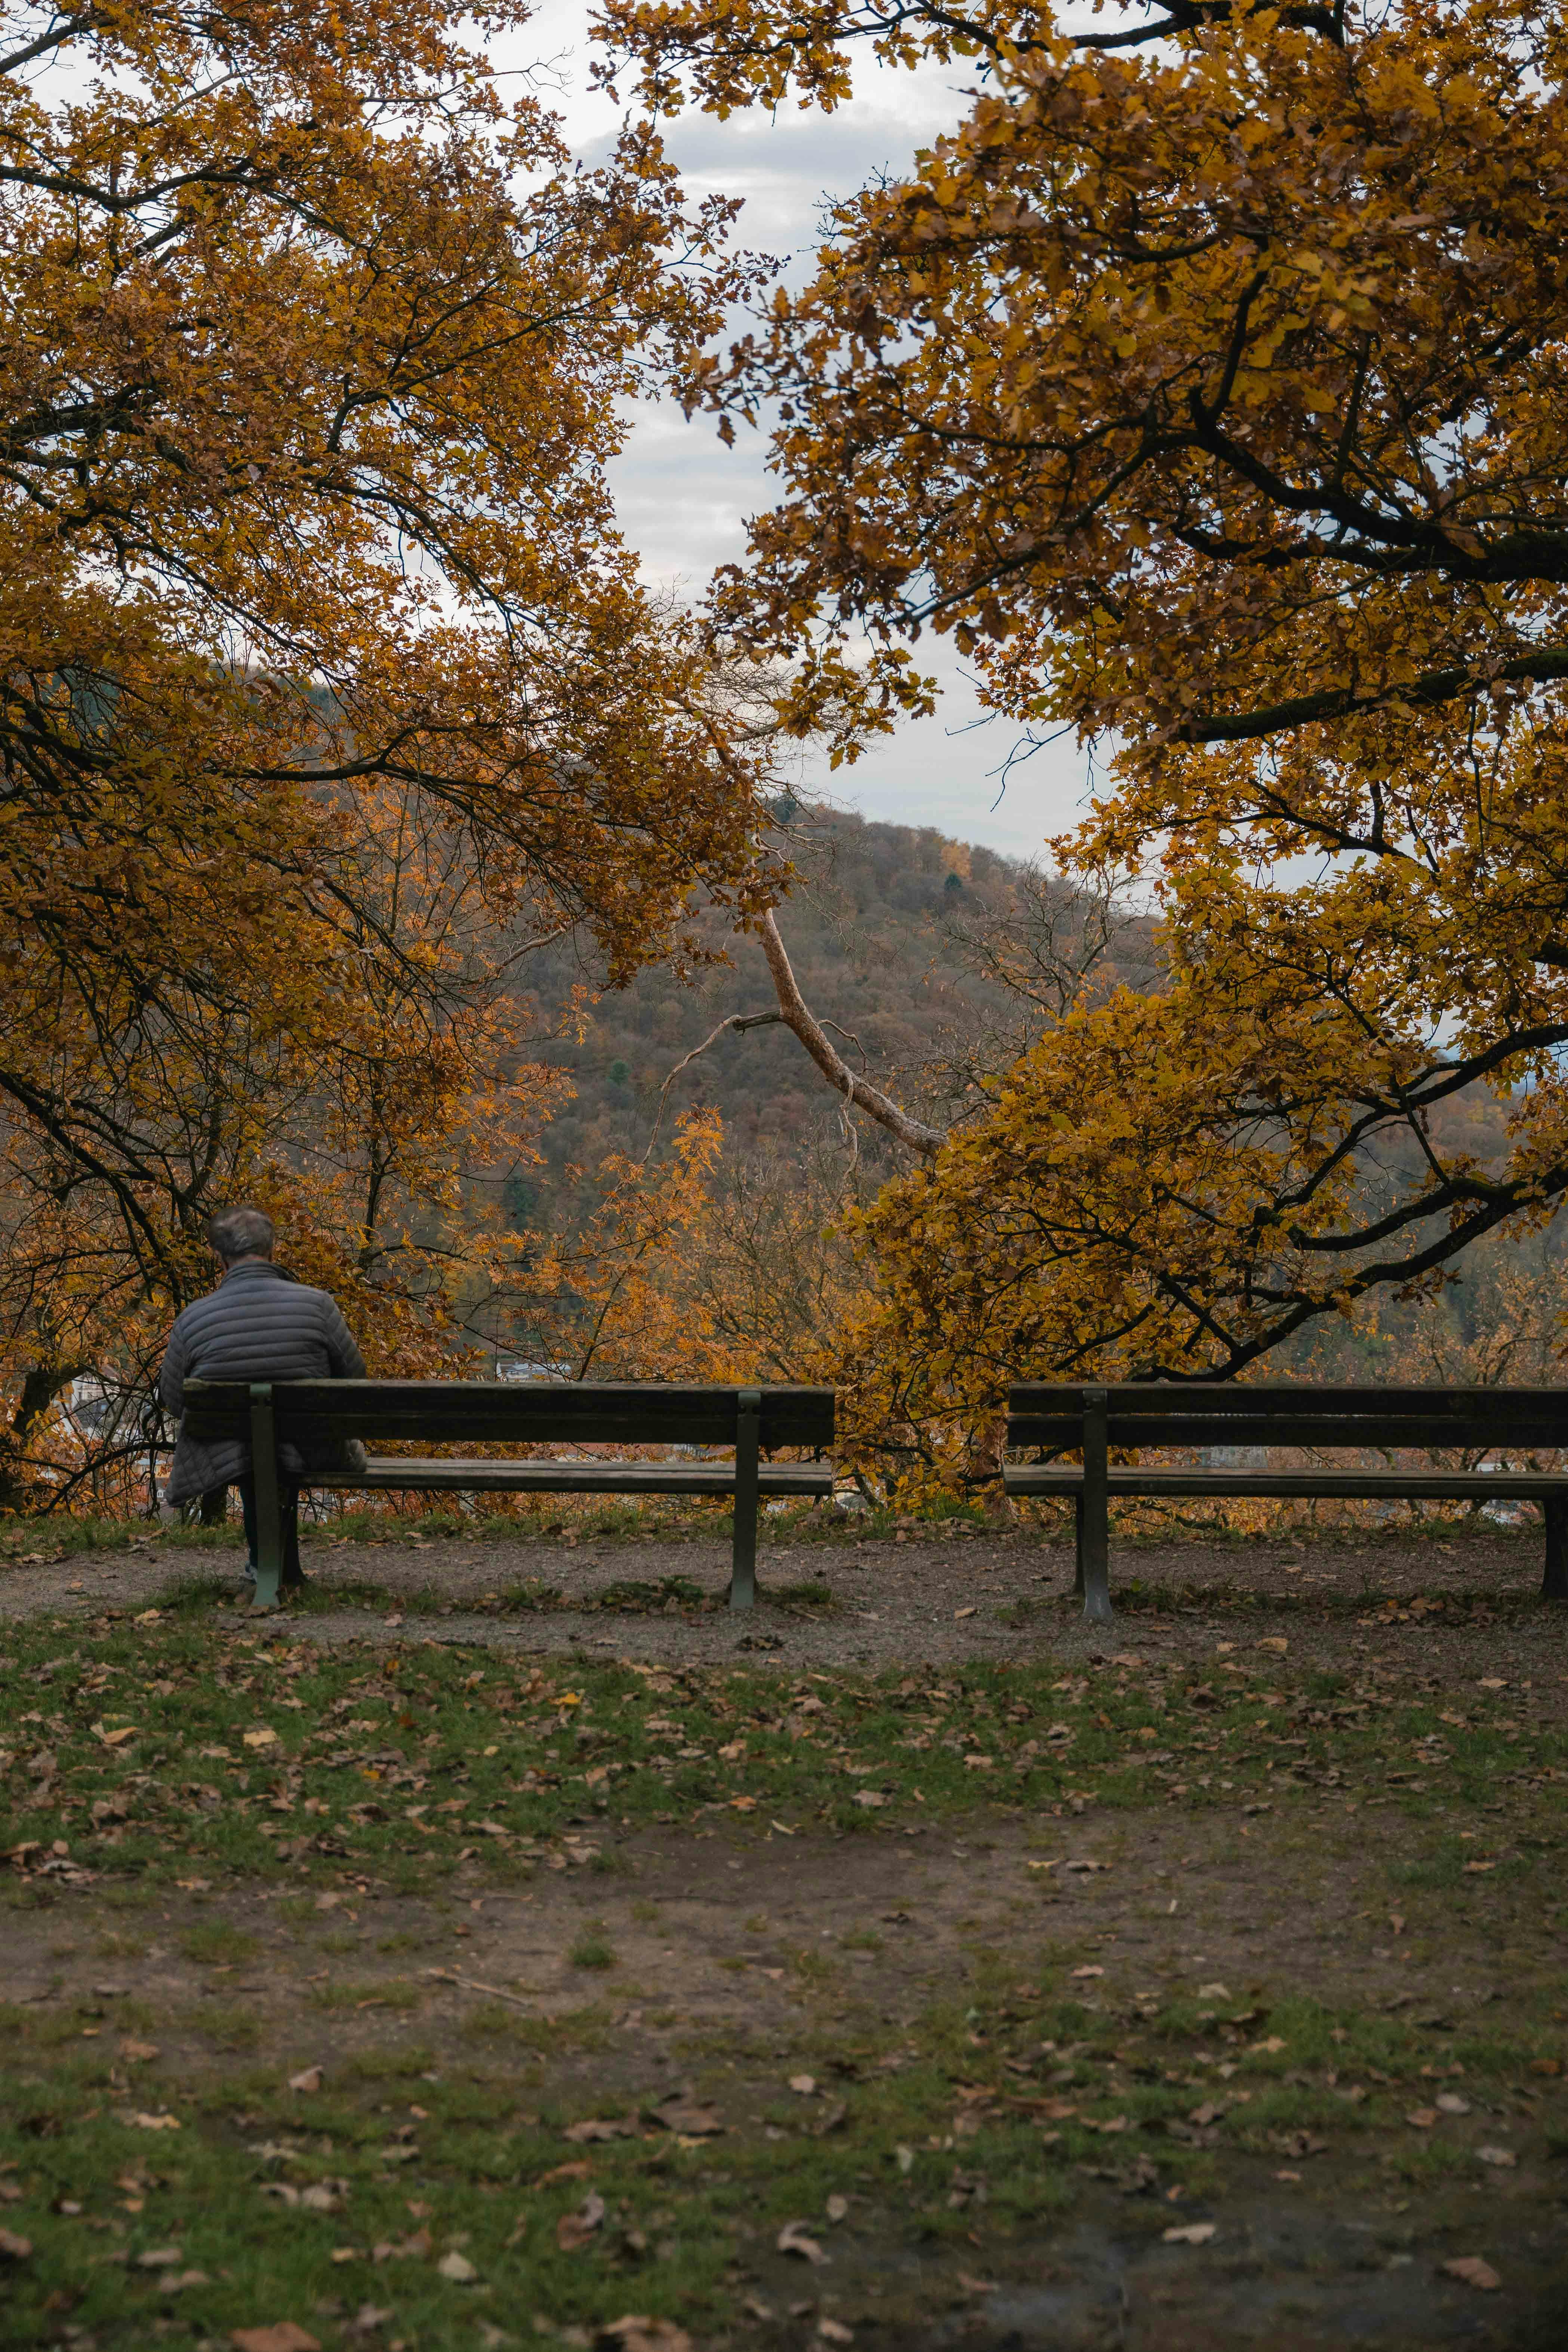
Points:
326	683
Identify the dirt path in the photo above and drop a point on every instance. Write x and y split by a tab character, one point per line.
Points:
876	1603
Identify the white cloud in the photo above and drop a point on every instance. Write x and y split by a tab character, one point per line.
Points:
684	498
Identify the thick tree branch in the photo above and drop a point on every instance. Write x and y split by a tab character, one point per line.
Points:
798	1017
1438	686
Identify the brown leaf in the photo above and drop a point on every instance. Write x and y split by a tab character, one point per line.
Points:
573	2231
281	2337
14	2249
682	2113
795	2239
596	2127
1473	2271
308	2079
1497	2156
576	2170
637	2334
138	2054
1421	2117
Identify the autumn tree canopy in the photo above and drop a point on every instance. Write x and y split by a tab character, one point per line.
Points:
1209	385
326	684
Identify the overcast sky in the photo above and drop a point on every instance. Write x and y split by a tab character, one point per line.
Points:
684	498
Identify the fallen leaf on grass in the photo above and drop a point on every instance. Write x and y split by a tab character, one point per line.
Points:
578	2170
1086	1866
458	2268
682	2115
159	2258
263	1737
1091	1970
598	2127
574	2229
308	2079
138	2054
1272	1641
1190	2233
803	2084
151	2122
282	2337
637	2333
972	2286
14	2249
1472	1868
1472	2271
970	1612
1451	2104
795	2239
832	2331
837	2207
1421	2117
1497	2156
873	1796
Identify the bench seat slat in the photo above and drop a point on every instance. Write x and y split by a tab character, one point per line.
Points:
449	1473
1067	1478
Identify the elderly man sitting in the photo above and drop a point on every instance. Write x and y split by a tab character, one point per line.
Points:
260	1324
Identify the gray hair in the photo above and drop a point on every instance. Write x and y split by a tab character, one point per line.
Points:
240	1233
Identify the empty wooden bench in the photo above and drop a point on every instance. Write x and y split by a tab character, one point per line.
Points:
316	1414
1137	1416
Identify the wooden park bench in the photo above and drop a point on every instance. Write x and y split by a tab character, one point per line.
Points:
1137	1416
753	1421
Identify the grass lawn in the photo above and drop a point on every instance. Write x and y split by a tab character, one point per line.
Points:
431	1996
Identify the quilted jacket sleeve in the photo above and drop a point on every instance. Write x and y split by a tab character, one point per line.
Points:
343	1352
172	1379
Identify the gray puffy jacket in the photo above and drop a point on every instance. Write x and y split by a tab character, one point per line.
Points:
259	1324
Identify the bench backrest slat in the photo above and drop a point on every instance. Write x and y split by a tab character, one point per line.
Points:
514	1413
1317	1414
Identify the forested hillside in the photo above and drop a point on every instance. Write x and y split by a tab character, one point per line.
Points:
934	960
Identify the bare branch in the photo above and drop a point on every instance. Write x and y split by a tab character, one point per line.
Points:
739	1022
798	1018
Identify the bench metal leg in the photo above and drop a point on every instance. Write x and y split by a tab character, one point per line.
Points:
1554	1583
1094	1545
748	1435
1077	1544
269	1507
